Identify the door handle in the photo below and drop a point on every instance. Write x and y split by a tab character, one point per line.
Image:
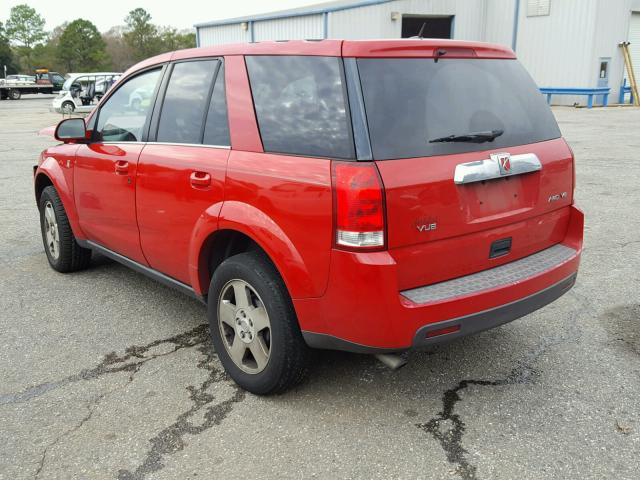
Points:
200	179
122	167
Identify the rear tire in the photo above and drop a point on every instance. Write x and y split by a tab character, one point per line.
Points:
60	245
15	94
250	311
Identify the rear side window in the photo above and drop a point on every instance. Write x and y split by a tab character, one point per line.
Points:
216	130
411	102
300	104
185	102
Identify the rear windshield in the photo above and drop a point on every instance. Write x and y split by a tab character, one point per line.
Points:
409	102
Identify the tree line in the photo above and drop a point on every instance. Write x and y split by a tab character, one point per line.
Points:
78	46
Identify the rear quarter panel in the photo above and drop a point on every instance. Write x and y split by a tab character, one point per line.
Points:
282	202
285	204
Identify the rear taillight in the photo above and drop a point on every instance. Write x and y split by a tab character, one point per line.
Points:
358	206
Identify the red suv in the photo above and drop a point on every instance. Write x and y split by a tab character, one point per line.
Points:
368	196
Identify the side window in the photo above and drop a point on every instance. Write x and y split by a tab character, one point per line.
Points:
300	104
123	116
185	102
216	129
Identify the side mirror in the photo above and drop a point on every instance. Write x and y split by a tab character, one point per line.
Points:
71	130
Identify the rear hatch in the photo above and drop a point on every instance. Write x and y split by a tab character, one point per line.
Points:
475	171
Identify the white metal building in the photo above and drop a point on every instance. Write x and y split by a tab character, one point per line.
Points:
563	43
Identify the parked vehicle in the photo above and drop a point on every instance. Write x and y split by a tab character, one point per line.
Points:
82	91
44	81
368	196
44	77
140	98
21	78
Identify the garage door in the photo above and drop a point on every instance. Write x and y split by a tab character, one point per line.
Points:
634	38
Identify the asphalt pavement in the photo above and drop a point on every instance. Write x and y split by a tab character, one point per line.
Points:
106	374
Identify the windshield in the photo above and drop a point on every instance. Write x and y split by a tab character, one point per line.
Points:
473	104
67	83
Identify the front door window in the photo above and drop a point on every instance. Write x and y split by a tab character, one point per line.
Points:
125	113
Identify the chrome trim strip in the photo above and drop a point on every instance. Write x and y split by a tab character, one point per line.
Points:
224	147
489	169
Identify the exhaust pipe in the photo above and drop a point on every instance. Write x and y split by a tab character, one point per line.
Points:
392	360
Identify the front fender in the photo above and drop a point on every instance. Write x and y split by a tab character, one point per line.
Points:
59	171
257	225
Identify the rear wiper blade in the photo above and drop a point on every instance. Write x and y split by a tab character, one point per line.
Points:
474	137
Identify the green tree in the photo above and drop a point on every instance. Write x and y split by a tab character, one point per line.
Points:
25	27
46	54
141	35
6	55
81	47
171	39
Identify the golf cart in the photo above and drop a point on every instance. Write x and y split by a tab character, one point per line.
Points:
82	91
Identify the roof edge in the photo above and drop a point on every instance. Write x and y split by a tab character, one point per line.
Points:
302	12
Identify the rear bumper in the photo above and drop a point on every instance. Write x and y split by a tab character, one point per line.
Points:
494	317
363	311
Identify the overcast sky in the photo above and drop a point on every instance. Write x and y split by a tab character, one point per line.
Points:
176	13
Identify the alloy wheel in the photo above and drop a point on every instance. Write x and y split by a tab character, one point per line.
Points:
52	236
244	326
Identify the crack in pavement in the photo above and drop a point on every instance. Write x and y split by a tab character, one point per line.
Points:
171	439
91	407
133	358
451	439
523	373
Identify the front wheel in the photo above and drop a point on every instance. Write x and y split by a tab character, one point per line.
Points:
68	107
63	252
254	327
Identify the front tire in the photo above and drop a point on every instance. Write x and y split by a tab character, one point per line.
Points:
68	107
60	245
254	327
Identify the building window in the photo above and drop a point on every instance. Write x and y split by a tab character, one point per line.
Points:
538	8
